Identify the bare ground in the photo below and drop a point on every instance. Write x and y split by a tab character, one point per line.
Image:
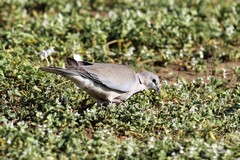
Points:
173	72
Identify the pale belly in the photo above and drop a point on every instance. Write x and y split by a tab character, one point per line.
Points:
99	91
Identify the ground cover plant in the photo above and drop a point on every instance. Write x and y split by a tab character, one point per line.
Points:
192	45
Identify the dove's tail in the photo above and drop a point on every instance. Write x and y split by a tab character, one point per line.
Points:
59	71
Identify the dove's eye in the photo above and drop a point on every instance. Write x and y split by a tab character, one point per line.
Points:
154	81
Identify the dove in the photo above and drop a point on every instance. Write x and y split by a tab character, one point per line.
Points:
106	82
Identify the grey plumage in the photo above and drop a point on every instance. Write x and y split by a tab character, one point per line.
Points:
106	82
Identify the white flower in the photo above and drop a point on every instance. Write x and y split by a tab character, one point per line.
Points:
130	148
139	13
192	109
57	101
79	3
229	30
181	54
173	153
130	52
193	61
154	112
194	126
209	78
112	14
189	37
168	53
200	79
170	102
9	124
9	141
223	54
171	2
215	44
60	19
164	82
77	57
224	73
201	53
45	53
76	114
179	84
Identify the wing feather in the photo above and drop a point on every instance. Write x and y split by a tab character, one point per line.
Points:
114	76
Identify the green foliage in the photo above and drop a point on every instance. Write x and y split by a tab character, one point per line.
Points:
43	116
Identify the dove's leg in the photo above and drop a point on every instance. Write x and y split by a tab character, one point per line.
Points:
116	101
102	102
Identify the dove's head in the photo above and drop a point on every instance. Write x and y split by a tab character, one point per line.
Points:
150	80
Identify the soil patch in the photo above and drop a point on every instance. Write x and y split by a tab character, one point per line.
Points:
173	72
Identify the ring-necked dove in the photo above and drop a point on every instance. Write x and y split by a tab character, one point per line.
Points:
106	82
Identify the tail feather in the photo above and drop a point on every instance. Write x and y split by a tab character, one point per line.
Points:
59	71
73	64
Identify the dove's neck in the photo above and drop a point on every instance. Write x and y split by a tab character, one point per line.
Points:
141	83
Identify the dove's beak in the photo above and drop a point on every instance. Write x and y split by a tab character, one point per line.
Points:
157	89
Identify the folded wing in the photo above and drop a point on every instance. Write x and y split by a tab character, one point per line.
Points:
114	76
